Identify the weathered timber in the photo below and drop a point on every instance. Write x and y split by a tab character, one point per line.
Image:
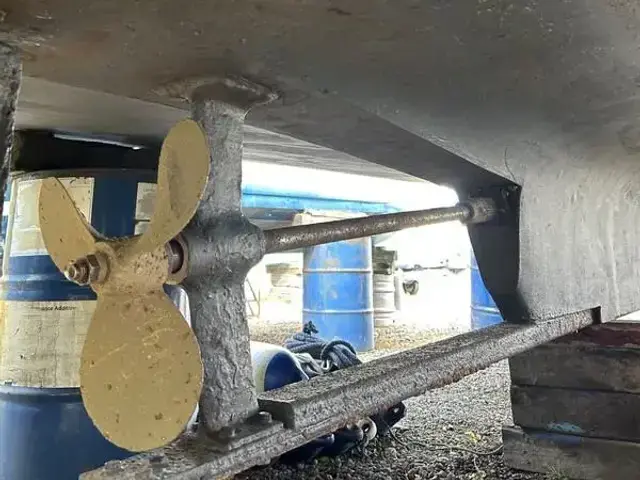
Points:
602	357
588	413
570	456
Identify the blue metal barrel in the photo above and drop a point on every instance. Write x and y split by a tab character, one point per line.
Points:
45	432
484	311
338	291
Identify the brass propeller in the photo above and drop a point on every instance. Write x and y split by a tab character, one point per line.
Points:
141	371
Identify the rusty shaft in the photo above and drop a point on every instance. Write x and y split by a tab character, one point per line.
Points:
289	238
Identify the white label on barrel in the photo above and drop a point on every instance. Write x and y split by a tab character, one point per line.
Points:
141	227
41	342
24	236
145	199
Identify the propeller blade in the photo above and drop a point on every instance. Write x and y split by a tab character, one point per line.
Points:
65	232
141	372
183	171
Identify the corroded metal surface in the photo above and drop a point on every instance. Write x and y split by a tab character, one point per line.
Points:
10	77
288	238
194	457
382	383
223	245
326	403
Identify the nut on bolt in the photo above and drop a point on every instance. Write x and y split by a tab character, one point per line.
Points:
264	418
90	269
98	267
482	210
78	271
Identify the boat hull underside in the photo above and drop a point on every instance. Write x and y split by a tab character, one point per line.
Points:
471	94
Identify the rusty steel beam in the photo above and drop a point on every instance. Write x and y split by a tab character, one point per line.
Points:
376	385
289	238
324	404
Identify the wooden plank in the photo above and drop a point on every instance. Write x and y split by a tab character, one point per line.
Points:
602	357
568	456
580	412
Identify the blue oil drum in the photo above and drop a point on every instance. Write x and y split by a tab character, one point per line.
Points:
45	432
338	291
484	311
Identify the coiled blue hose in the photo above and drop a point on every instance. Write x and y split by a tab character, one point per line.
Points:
335	354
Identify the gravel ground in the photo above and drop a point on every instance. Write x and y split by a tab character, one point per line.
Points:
386	338
435	441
